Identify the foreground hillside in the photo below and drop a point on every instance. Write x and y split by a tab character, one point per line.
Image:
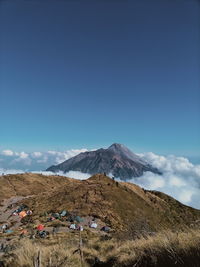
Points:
144	228
121	206
166	249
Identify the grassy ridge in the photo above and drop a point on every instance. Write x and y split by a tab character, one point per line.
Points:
149	228
117	204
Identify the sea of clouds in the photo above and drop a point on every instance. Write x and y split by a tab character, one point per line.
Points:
180	178
10	159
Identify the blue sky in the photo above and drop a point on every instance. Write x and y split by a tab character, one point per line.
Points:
79	74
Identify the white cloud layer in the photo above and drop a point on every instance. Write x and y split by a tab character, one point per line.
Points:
36	154
180	178
70	174
35	160
7	152
10	171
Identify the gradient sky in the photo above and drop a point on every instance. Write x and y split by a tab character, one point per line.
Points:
89	73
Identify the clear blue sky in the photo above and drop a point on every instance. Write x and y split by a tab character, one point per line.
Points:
89	73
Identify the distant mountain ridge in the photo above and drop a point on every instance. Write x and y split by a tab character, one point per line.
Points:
117	160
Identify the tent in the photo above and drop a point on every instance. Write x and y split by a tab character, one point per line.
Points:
40	227
80	228
93	225
56	215
50	219
43	234
22	214
24	232
21	208
64	213
105	229
29	212
4	226
9	231
73	226
78	219
71	218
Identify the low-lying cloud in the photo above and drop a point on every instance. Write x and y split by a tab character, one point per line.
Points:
35	160
180	178
10	171
70	174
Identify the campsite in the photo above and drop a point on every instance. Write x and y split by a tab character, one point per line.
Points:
85	227
99	133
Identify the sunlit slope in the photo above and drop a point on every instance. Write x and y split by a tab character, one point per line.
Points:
120	205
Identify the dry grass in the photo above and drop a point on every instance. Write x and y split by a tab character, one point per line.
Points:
53	253
101	197
131	212
164	249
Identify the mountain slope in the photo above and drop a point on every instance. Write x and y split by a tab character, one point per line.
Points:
117	160
119	205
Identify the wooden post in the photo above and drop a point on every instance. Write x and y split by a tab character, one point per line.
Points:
37	260
49	263
80	248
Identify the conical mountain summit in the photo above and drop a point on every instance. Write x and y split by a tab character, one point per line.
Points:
117	160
